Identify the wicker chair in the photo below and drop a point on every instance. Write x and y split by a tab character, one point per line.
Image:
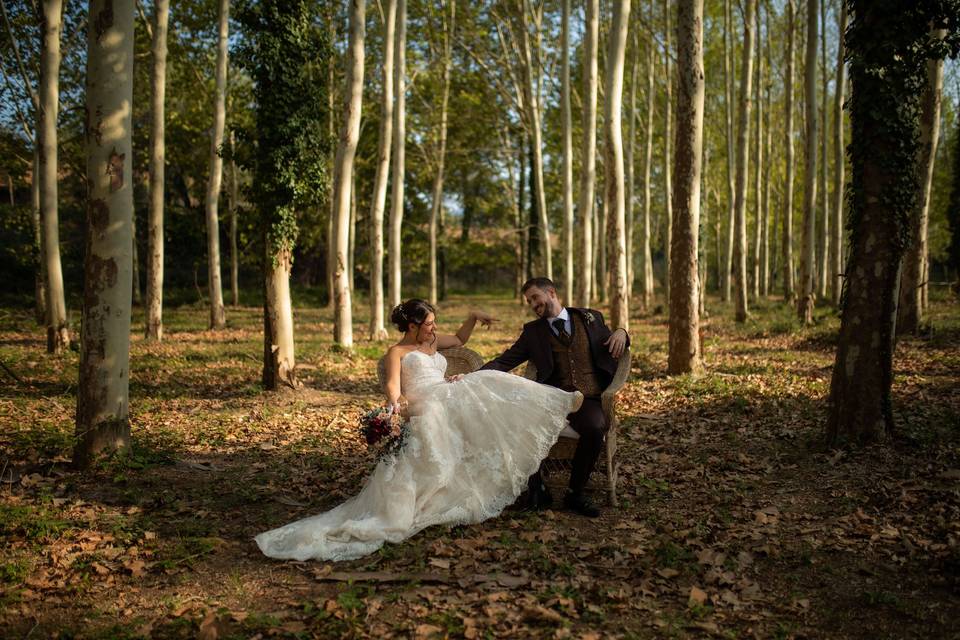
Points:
459	360
561	455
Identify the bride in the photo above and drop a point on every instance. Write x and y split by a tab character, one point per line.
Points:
472	443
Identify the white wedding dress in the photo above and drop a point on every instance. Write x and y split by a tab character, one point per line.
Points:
471	446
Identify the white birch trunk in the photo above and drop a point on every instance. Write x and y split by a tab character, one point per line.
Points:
102	425
218	318
343	175
567	141
647	268
588	166
729	71
667	142
684	329
58	333
768	147
836	245
613	166
399	152
155	248
787	237
758	170
809	252
629	154
743	145
436	208
377	329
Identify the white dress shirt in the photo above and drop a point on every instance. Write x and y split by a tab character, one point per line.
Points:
565	316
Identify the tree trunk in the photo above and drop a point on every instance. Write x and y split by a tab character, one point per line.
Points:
58	333
768	145
647	268
532	104
910	314
399	153
343	175
218	318
234	208
437	207
729	71
758	169
331	132
102	425
684	356
667	141
629	153
279	361
808	259
743	145
567	141
135	253
787	238
836	246
377	329
614	179
588	166
823	242
40	278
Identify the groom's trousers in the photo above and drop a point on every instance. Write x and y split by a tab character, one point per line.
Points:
590	423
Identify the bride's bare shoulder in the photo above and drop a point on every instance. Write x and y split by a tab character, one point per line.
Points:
397	351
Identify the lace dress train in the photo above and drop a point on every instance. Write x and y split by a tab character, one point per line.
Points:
472	444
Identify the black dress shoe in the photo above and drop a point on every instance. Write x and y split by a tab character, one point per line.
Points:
539	498
581	503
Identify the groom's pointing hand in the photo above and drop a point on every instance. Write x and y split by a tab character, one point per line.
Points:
617	342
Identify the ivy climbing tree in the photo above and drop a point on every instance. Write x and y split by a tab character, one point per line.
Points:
284	53
888	44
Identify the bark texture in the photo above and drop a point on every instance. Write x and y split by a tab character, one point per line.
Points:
399	153
566	135
158	80
836	243
809	252
343	175
588	166
377	329
684	355
786	246
218	318
743	144
58	333
103	390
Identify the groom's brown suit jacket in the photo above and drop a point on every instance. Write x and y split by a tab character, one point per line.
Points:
534	345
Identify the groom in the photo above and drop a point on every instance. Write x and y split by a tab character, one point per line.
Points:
574	350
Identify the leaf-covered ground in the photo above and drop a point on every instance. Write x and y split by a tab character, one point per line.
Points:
734	521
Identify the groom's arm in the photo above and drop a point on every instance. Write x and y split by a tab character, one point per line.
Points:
510	359
620	337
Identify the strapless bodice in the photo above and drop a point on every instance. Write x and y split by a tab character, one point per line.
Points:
420	372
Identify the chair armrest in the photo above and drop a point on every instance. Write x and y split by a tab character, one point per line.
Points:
619	379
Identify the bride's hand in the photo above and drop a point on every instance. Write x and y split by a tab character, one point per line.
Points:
485	319
455	378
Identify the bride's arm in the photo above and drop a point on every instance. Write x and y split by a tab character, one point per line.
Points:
463	333
393	377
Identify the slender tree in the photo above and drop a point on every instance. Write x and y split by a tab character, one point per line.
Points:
218	318
588	156
729	72
836	244
343	175
158	81
629	153
684	355
234	208
102	425
768	154
566	135
889	46
787	237
647	268
910	308
436	208
823	237
758	168
743	144
614	179
58	333
808	258
399	152
377	329
667	141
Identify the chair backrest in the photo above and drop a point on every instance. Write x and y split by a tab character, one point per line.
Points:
459	360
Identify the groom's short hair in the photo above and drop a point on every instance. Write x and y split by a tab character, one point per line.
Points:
540	283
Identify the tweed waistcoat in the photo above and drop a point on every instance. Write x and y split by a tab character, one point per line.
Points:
572	363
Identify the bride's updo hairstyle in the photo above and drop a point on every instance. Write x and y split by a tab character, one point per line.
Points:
413	311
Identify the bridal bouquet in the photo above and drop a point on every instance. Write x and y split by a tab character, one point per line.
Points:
383	430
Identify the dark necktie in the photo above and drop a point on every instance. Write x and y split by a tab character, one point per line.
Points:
561	328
